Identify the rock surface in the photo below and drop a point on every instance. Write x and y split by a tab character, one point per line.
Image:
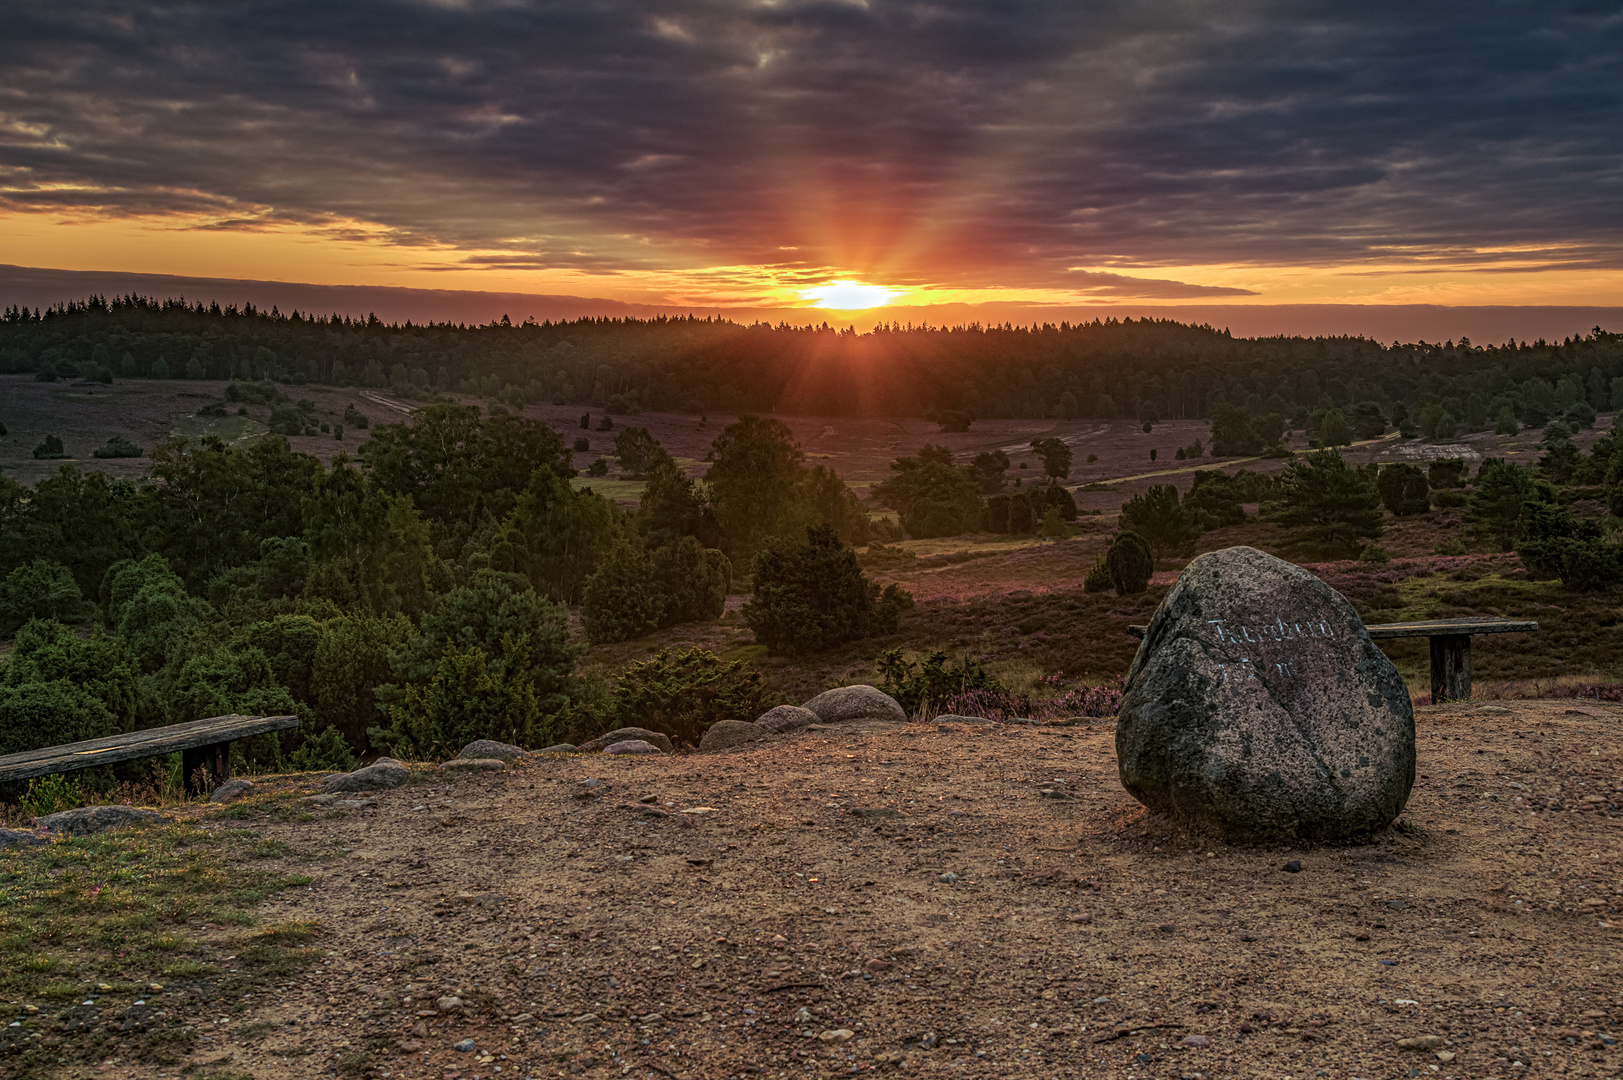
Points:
94	819
485	749
381	774
622	734
786	718
725	733
631	746
854	703
954	718
464	764
19	838
232	789
1258	708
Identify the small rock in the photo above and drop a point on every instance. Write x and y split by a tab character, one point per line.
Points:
234	788
631	746
1053	793
381	774
1421	1042
1084	918
466	1046
584	1018
1195	1042
846	703
451	1004
836	1035
473	765
561	748
949	878
954	718
726	733
94	819
490	748
622	734
19	838
803	1015
786	718
1293	867
877	965
1445	1055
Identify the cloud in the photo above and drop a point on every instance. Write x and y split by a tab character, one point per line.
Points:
995	143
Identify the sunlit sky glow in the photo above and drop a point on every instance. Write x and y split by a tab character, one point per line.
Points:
827	155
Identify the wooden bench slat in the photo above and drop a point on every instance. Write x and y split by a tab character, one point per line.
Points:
138	744
1428	628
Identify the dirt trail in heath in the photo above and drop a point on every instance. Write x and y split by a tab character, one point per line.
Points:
795	921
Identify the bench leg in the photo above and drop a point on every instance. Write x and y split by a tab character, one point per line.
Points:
215	759
1450	668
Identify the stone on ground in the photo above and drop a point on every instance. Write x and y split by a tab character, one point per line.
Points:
1258	708
560	748
86	820
381	774
484	749
632	746
786	718
462	764
233	789
725	733
622	734
845	703
19	838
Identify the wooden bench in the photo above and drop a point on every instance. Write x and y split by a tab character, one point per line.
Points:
202	744
1450	647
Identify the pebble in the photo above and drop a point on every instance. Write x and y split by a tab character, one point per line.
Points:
1293	867
448	1004
1084	917
836	1035
1195	1041
465	1046
1421	1042
877	964
949	878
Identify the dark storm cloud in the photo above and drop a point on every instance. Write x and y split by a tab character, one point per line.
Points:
1001	142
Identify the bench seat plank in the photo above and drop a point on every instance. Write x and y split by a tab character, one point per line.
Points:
1451	627
138	744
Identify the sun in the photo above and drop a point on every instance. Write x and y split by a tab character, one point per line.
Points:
850	295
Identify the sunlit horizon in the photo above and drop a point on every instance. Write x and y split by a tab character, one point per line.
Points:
845	295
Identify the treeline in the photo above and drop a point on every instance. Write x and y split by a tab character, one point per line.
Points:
417	599
1144	370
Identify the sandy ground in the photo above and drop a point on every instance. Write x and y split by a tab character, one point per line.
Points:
795	921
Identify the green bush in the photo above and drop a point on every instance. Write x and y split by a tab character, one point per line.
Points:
50	449
40	589
355	656
1130	563
1169	529
150	609
691	581
47	651
50	795
813	596
324	751
1214	500
1098	579
1446	473
117	447
921	687
1404	489
682	692
618	602
1325	505
471	696
35	715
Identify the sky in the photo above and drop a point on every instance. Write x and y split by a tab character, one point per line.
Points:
715	155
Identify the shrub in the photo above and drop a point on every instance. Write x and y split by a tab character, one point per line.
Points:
1375	553
923	688
600	467
1446	473
35	715
355	418
50	795
691	581
1326	505
814	596
681	693
1098	578
470	697
352	660
582	444
50	449
1497	508
618	601
1577	552
1404	489
326	750
40	589
46	651
633	448
1215	500
117	447
1334	430
1129	563
1170	529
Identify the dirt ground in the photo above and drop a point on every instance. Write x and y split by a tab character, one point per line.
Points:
781	910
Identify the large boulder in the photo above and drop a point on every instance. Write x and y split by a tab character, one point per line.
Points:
786	718
1258	708
382	774
86	820
725	733
631	746
20	838
232	790
624	734
854	703
486	749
